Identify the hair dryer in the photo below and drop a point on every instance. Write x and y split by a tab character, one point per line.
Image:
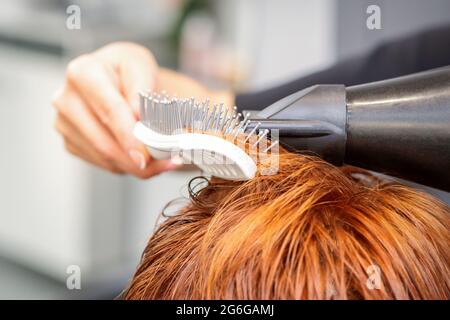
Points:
399	127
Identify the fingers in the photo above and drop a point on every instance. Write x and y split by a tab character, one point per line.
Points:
76	145
86	137
136	75
96	83
136	79
78	125
79	147
98	108
156	167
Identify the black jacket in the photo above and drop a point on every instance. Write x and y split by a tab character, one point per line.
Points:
426	50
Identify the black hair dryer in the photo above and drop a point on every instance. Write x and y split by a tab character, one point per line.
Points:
400	126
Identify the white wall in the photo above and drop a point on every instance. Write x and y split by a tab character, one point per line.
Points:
283	39
42	211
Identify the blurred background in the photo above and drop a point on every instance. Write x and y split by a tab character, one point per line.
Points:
56	211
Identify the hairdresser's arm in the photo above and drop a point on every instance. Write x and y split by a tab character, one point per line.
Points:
419	52
98	105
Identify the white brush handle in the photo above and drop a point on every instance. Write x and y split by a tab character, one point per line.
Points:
212	154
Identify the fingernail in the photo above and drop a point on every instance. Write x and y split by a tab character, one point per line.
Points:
138	158
176	161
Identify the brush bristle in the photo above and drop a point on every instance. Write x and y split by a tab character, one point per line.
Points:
171	115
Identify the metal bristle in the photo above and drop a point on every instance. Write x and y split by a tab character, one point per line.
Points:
252	132
262	135
271	146
172	115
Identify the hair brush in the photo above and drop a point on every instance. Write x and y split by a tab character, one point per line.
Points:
213	137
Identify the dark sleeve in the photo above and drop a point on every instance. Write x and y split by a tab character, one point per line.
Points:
426	50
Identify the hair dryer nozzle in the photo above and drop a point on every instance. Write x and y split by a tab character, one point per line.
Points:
312	120
400	126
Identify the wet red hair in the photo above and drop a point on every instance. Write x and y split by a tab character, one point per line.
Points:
312	231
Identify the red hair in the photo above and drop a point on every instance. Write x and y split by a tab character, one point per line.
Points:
313	231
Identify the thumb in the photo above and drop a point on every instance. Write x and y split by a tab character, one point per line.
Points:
138	75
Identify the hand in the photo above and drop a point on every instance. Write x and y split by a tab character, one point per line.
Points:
98	106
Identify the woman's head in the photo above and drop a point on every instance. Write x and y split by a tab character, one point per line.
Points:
312	231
